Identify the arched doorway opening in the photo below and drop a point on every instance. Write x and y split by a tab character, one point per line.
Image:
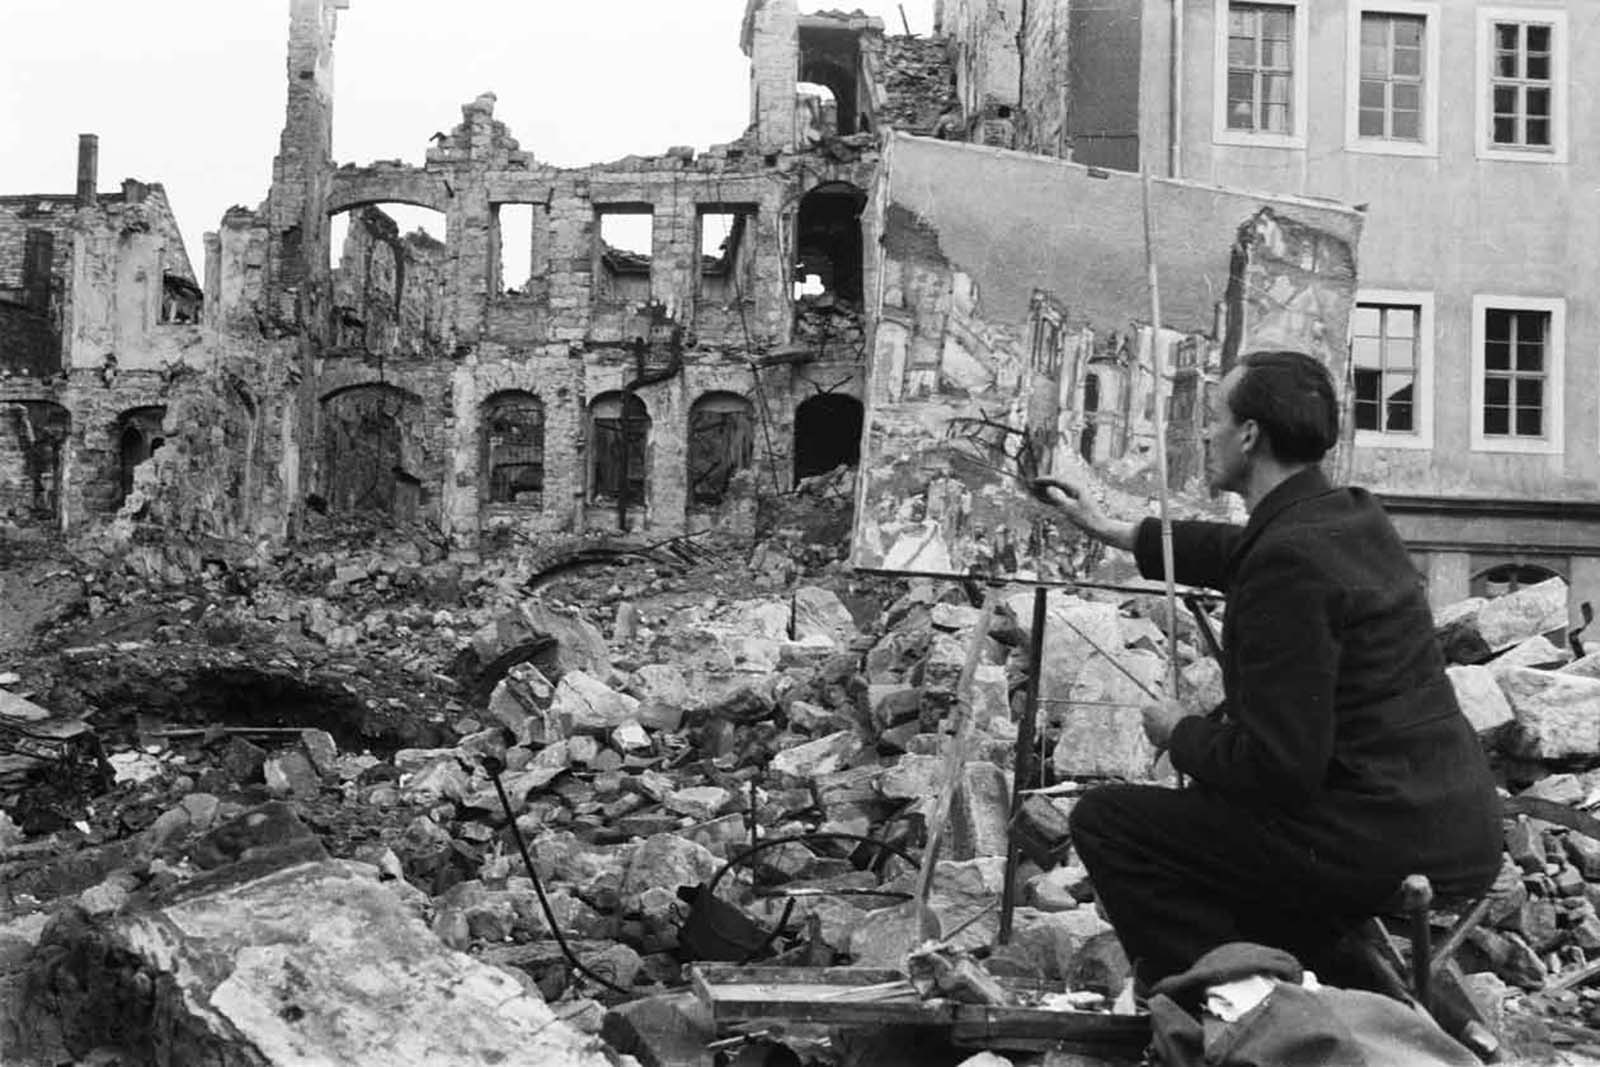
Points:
139	436
827	434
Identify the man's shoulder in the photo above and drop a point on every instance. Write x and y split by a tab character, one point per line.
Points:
1338	522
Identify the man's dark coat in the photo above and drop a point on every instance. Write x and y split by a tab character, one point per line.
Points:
1340	727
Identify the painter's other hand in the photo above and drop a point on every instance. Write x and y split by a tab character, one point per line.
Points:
1161	719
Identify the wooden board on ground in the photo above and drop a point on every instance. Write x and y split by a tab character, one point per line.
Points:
869	996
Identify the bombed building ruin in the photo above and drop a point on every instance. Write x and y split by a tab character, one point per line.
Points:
652	383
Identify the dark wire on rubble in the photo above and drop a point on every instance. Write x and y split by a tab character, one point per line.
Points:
493	767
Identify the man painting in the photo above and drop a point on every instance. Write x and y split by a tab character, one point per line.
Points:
1339	761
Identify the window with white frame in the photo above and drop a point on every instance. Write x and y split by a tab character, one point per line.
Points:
1517	374
1261	70
1259	95
1392	92
1385	360
1523	84
1392	73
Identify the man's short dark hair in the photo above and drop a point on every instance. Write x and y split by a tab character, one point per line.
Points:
1290	396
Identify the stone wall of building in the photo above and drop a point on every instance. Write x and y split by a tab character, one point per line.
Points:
382	384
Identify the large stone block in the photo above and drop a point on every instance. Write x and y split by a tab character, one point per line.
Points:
662	683
980	812
1558	715
1100	741
1482	700
1074	628
312	964
825	755
1535	651
912	777
1535	609
820	613
584	704
580	646
961	891
668	861
519	700
991	694
1588	666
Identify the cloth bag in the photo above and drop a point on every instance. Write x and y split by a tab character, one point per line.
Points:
1293	1021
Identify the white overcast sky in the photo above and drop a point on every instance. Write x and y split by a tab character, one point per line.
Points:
190	93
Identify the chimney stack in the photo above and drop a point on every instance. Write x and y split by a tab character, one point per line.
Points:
88	167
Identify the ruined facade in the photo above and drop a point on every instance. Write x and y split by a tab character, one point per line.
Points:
99	315
652	389
1458	127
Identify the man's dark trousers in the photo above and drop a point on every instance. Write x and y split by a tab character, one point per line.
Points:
1181	871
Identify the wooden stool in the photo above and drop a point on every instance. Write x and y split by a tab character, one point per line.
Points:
1432	979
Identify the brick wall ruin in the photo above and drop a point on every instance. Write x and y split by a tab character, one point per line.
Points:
653	390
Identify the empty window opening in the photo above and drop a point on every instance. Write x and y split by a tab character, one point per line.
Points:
828	244
180	300
1091	406
33	437
831	57
1508	578
388	263
367	451
620	441
513	449
827	434
824	106
38	265
721	444
623	253
139	436
512	236
727	254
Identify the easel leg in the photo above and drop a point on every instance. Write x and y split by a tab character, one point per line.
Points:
1023	764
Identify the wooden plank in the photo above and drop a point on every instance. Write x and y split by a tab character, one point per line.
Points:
719	973
984	1024
869	996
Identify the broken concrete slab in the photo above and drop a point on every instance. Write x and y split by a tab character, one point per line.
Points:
579	643
1558	715
662	682
1482	700
1535	609
667	861
825	755
584	704
519	700
819	612
312	964
1536	651
701	803
663	1031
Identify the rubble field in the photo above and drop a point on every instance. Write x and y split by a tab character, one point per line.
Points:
266	808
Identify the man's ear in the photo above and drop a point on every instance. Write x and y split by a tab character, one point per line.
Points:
1249	435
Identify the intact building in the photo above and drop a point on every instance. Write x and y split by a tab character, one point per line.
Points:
1461	128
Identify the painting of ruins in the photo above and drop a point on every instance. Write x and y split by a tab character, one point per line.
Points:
1014	339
